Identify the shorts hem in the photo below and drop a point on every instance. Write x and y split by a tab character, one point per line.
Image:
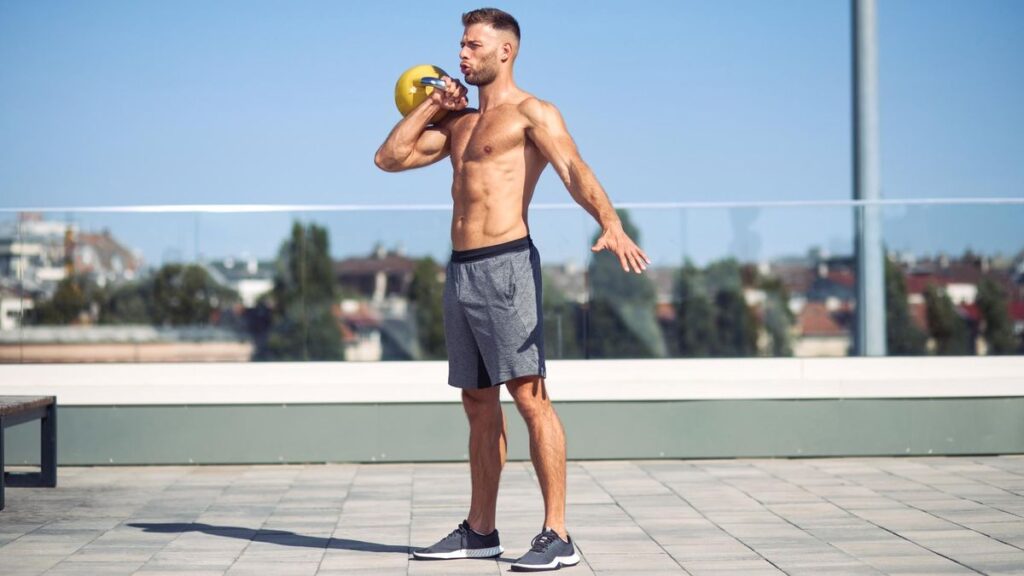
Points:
503	379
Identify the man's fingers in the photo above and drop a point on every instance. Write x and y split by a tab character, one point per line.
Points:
625	265
599	246
635	263
641	259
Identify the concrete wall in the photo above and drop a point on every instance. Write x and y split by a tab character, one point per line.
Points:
131	414
594	430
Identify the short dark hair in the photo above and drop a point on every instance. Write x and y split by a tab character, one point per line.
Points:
498	19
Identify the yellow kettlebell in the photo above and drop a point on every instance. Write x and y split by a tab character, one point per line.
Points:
410	91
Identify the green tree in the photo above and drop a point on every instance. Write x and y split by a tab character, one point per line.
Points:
302	325
184	295
425	296
127	304
561	317
696	336
902	336
66	305
944	324
621	321
736	326
778	318
174	295
995	316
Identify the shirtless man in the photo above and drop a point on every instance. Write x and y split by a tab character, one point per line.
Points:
492	296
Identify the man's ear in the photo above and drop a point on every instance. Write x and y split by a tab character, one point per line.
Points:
506	51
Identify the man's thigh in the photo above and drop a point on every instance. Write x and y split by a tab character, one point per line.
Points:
475	398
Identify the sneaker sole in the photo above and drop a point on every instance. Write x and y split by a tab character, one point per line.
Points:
557	563
456	554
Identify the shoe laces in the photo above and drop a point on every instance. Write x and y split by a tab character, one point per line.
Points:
460	531
541	542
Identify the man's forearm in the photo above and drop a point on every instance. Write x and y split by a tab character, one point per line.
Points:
588	193
402	139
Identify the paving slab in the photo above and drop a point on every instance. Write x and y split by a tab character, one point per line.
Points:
908	515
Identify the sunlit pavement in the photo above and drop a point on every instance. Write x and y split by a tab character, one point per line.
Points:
941	515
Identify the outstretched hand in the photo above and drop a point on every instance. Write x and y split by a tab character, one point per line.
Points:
630	255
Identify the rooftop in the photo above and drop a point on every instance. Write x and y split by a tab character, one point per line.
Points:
923	515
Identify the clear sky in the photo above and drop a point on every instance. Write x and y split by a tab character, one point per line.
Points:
270	102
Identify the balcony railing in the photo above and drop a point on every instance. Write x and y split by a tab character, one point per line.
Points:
240	283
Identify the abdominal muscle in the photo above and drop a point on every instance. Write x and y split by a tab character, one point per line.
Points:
490	205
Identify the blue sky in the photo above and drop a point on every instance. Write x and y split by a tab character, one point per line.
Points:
269	102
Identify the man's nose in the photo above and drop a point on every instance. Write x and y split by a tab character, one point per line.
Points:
464	54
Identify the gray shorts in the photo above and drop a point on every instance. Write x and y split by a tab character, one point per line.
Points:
493	324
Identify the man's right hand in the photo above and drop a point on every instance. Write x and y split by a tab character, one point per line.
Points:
453	97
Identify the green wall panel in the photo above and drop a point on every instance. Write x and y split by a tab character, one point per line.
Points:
595	430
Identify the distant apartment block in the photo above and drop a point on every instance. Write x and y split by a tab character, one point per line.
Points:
36	254
247	276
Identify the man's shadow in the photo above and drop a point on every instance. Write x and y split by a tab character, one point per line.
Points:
281	537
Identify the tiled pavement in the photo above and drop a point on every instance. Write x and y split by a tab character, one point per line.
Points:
942	515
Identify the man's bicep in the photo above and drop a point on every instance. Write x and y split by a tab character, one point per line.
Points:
431	146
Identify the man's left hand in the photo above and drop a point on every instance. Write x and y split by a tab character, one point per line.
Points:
630	255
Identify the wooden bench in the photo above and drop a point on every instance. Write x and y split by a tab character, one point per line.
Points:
16	410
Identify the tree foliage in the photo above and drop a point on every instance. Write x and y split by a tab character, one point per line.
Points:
561	323
945	325
902	336
66	306
778	318
696	334
621	320
303	326
425	297
995	316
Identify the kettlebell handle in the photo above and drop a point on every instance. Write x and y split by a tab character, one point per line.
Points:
430	81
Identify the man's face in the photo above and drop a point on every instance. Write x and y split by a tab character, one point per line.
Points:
479	56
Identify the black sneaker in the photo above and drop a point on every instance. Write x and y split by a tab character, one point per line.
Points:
463	542
547	552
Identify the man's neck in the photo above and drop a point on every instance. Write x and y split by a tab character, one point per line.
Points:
496	92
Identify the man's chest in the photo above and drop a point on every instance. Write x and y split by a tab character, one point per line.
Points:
477	137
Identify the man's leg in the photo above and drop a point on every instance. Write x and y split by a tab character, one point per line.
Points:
487	449
547	446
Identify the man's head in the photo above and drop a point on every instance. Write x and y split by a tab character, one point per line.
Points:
489	44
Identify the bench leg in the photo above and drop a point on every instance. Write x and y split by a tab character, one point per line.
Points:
1	464
48	448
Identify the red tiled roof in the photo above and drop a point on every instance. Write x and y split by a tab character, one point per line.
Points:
1017	310
815	320
918	283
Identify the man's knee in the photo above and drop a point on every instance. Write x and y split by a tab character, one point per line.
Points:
482	404
531	396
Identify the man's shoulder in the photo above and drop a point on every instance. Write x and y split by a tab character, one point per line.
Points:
536	110
531	104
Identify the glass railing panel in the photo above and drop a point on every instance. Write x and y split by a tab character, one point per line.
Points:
954	278
768	280
726	282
